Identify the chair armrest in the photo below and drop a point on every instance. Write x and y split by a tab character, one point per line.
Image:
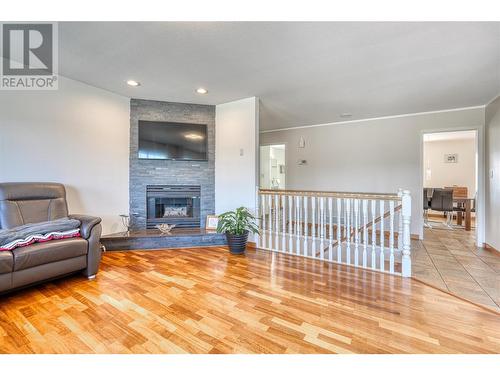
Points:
87	223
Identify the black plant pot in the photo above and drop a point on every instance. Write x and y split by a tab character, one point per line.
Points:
237	242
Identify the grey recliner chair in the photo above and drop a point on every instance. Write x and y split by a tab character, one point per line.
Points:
23	203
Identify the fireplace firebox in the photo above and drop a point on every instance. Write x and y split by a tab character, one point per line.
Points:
173	204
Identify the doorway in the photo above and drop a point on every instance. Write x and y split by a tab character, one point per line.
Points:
273	167
450	256
450	179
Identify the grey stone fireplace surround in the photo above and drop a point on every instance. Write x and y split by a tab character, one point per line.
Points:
169	172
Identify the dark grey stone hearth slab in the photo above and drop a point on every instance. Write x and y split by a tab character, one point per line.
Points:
153	239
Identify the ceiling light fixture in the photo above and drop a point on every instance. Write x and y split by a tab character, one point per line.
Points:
133	83
201	90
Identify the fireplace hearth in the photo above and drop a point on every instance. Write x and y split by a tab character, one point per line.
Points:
173	204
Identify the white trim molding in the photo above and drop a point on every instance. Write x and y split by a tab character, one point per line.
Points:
374	118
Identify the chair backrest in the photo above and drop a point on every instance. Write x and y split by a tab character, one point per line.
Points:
459	191
442	200
427	198
31	202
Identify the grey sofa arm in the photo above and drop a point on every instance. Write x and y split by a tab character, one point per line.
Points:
90	229
87	223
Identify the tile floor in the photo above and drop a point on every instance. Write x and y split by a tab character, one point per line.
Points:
449	259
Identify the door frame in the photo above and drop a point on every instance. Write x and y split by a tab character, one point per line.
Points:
480	166
286	160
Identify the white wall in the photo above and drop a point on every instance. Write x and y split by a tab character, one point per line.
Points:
378	155
77	135
444	174
492	202
236	132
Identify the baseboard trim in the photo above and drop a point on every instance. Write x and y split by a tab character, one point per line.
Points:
489	247
489	309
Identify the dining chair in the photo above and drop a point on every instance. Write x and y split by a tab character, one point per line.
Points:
427	206
442	200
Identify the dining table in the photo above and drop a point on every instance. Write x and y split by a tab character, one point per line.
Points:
467	204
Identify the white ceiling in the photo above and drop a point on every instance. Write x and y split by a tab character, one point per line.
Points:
303	73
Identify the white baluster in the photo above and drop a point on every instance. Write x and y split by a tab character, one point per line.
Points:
290	233
365	230
270	221
283	223
406	210
382	235
356	232
322	226
306	226
263	216
374	234
296	216
277	222
313	229
391	236
330	228
297	227
339	230
348	230
400	223
400	230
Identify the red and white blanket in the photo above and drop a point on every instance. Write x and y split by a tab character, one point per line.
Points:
28	234
40	238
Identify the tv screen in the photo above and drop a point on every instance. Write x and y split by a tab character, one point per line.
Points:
172	141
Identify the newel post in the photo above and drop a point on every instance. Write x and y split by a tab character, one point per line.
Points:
406	251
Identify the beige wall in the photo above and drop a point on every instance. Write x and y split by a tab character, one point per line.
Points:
77	135
379	155
444	174
492	201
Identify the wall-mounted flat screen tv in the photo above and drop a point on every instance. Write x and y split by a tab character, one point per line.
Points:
172	141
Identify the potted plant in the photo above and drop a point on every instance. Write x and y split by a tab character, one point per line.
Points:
236	225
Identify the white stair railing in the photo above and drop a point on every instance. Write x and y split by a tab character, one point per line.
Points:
359	229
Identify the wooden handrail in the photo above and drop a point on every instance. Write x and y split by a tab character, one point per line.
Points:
332	194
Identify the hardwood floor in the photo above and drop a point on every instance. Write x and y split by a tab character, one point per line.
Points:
206	301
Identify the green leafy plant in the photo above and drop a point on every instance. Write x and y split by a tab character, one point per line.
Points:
237	222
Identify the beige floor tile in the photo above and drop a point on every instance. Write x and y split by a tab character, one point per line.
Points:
449	259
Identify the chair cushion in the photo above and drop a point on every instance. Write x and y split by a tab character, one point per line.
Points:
48	252
6	262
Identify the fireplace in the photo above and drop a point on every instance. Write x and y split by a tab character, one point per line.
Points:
173	204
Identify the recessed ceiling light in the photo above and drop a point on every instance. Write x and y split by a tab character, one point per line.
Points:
201	90
133	83
345	114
